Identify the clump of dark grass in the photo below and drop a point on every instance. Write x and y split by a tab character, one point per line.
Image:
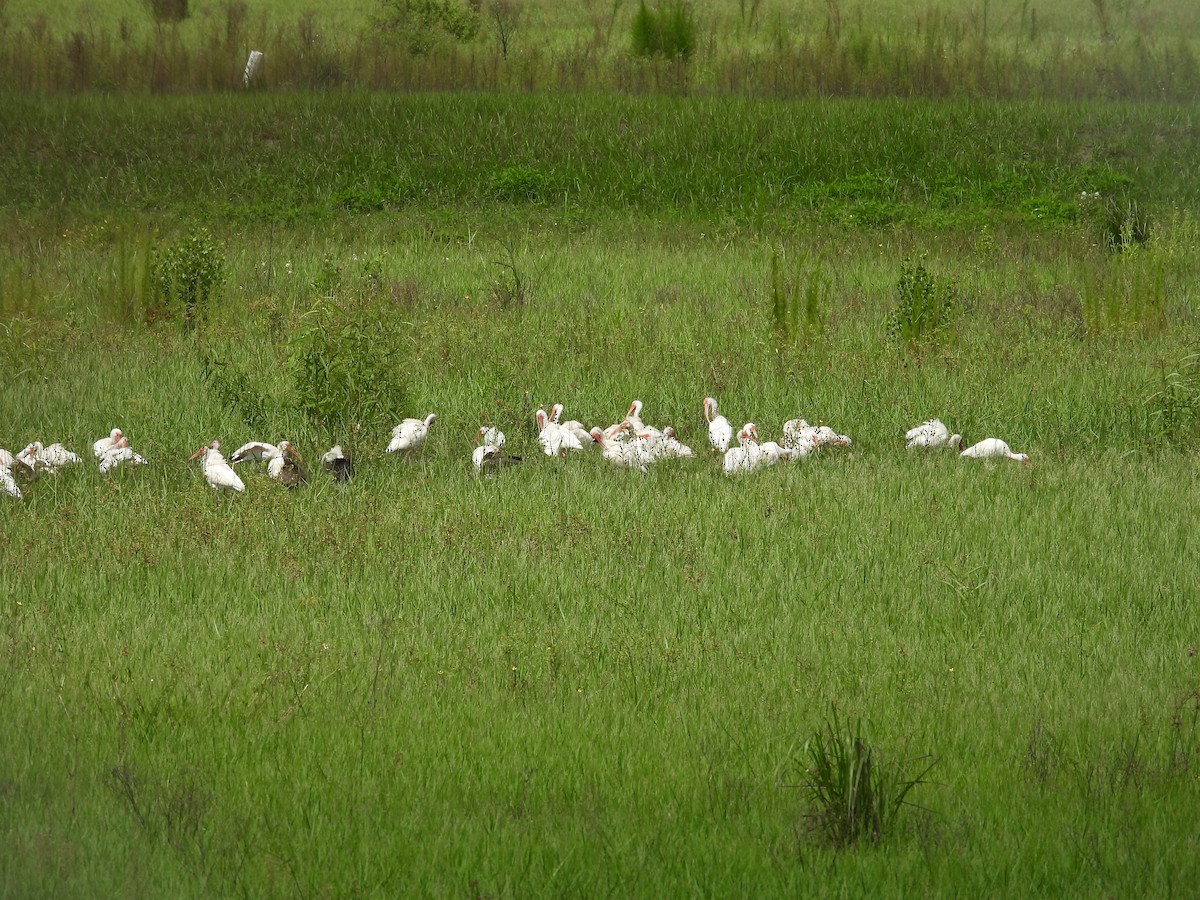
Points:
854	794
1174	402
799	305
668	30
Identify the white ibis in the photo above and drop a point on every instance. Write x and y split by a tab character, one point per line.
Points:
490	458
112	442
8	484
337	463
993	448
217	472
720	432
53	458
772	452
489	436
633	418
583	435
665	444
410	434
623	454
121	455
746	456
931	435
555	439
276	456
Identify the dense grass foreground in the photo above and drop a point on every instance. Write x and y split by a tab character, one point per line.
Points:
567	680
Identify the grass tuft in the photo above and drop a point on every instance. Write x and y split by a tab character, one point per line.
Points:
854	794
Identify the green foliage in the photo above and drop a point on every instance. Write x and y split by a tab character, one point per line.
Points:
799	305
235	389
389	192
667	30
1126	294
925	305
347	367
423	24
854	793
1174	404
1124	225
168	11
185	276
519	184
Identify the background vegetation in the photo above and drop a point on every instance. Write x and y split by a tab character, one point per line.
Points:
772	48
871	672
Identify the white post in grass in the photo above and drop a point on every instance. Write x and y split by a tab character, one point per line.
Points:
252	65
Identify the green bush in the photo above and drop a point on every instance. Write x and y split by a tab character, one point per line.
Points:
346	368
668	30
422	24
183	278
518	184
925	306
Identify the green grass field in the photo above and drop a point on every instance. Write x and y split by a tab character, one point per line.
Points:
569	679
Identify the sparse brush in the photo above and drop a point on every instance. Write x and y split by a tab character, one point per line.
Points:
854	794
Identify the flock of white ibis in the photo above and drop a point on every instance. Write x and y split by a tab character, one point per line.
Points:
627	444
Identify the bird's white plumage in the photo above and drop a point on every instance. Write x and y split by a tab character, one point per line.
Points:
720	432
120	456
931	435
993	448
8	484
410	434
53	458
582	434
217	472
102	446
747	455
632	454
555	439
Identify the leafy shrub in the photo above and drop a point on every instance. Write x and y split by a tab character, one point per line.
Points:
853	794
925	306
421	24
184	277
668	30
518	184
346	367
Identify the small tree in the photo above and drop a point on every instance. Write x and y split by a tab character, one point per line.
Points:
505	18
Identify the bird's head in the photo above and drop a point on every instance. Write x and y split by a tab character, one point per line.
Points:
635	408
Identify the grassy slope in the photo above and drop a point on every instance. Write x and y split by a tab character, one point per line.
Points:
567	680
